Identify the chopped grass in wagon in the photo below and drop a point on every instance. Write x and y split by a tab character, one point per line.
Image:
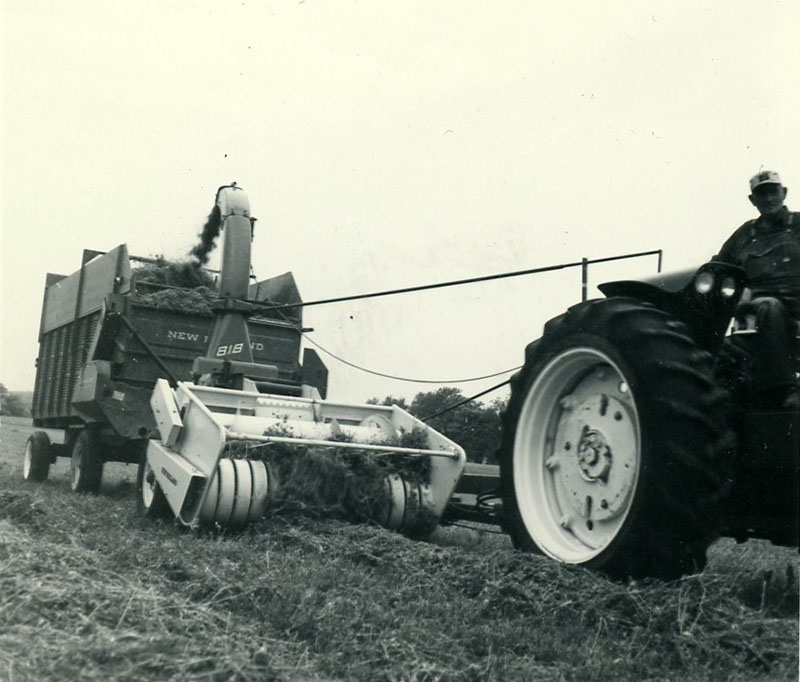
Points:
176	286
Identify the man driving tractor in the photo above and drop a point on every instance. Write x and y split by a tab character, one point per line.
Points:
768	249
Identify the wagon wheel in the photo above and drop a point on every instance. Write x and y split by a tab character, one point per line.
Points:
36	460
86	464
150	500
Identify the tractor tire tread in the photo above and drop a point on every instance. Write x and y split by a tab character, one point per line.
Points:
684	435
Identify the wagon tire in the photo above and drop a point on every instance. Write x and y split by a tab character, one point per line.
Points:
37	457
151	503
86	463
614	444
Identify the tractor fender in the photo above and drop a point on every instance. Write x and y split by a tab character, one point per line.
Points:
657	289
704	298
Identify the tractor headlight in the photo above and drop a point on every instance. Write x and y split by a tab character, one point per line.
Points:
704	282
728	287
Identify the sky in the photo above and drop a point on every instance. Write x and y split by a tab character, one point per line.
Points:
387	145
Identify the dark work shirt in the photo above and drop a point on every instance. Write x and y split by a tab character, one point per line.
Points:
769	253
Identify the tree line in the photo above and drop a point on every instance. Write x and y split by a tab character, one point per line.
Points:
474	426
13	404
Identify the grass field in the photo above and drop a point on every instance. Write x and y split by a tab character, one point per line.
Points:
88	591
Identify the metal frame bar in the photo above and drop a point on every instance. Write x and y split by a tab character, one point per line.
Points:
586	262
471	280
385	449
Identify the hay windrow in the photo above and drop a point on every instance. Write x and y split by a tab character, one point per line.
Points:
331	482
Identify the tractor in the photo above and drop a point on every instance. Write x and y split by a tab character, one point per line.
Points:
623	448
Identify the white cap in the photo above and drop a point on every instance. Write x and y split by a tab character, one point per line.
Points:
764	178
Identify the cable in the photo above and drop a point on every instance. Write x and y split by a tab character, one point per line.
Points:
427	381
466	400
414	381
391	376
452	283
279	308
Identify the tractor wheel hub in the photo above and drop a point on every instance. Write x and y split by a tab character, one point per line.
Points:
595	448
594	455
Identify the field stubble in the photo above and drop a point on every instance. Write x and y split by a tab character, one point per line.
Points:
89	591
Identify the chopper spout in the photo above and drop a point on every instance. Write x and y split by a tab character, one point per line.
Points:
232	200
237	234
229	356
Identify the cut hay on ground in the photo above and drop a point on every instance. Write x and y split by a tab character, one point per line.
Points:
337	483
294	598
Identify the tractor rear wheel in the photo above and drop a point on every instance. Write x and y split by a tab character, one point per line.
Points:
151	502
36	461
614	441
86	464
